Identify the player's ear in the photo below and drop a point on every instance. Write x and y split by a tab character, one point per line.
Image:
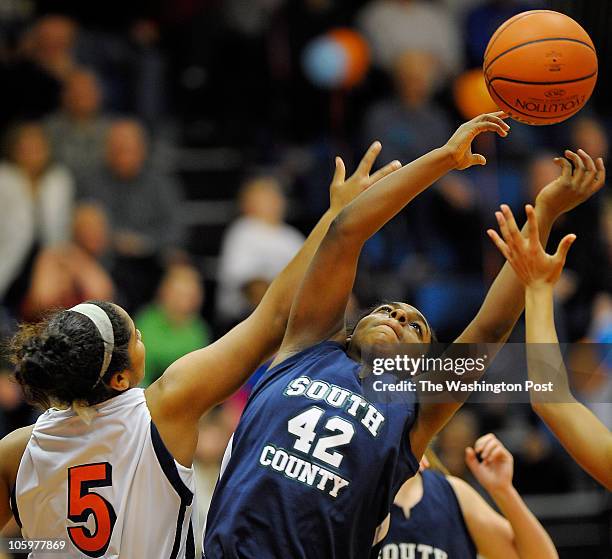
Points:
120	381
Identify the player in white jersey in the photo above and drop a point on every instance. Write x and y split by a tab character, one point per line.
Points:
116	470
108	466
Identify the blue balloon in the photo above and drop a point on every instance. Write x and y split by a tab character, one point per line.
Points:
325	62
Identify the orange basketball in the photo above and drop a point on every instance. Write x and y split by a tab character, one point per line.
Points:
540	67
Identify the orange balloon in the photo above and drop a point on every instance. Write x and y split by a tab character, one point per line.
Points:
358	53
471	94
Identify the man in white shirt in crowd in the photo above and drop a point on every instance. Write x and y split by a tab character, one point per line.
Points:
257	245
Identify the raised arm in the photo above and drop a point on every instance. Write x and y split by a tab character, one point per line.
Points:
517	534
204	378
504	302
505	299
318	310
587	439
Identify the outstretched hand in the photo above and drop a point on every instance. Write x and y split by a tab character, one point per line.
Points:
460	143
495	468
343	191
573	186
527	257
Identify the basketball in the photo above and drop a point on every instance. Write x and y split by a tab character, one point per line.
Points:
540	67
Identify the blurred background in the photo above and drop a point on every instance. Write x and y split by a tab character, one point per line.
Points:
171	155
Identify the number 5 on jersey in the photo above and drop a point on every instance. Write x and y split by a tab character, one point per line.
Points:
303	427
82	504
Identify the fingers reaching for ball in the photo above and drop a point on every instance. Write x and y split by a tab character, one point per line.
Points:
580	178
586	175
525	254
459	146
498	117
593	174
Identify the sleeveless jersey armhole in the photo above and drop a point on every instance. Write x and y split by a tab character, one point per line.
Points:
460	512
406	447
13	505
171	469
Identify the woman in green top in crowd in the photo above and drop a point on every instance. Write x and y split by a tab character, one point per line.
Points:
172	325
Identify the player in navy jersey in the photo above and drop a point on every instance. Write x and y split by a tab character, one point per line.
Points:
438	516
313	466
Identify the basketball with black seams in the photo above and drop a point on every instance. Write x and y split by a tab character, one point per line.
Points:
540	67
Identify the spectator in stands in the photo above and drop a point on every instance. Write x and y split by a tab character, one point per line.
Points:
256	246
172	324
410	123
32	83
142	205
394	26
121	42
37	200
143	208
40	269
78	131
92	237
52	45
90	230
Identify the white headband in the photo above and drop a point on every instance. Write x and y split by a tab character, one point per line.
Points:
105	328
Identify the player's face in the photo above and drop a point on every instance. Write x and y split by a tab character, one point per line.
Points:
137	355
391	323
136	350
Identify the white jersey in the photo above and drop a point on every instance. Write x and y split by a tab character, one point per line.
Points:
109	489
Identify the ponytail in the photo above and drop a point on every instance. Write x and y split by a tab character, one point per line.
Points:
58	361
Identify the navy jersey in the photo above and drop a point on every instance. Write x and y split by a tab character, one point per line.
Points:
435	528
313	466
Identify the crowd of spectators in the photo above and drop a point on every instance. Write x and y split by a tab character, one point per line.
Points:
89	210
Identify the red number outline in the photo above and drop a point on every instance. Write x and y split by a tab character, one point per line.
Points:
82	504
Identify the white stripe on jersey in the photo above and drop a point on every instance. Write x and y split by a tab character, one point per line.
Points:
226	456
382	530
116	467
